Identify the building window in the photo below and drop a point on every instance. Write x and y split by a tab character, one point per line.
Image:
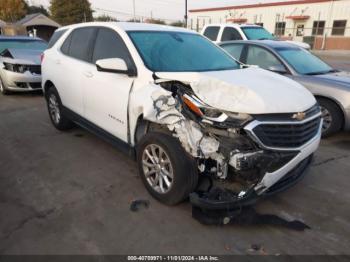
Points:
280	28
260	24
339	27
318	27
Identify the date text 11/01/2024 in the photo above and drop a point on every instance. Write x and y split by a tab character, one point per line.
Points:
173	258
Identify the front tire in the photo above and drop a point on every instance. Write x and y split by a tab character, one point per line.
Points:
332	117
167	171
55	109
3	89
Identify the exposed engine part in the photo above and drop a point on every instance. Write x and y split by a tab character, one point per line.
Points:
245	161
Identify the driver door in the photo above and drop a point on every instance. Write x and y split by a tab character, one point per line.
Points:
106	95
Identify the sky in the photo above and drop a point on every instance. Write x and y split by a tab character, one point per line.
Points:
170	10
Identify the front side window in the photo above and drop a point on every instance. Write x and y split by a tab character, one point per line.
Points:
234	50
180	52
257	33
261	57
339	27
78	44
109	45
212	32
230	34
22	44
303	61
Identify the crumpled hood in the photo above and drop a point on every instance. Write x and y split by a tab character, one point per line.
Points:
341	78
251	90
24	56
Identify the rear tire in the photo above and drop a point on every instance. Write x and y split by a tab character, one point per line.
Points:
55	109
167	171
332	117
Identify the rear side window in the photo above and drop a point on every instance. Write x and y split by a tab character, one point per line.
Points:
234	50
78	44
212	32
109	45
230	34
56	36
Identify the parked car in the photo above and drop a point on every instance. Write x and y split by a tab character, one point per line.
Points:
231	32
149	90
330	86
20	68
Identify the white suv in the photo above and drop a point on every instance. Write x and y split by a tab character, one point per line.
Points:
184	108
230	32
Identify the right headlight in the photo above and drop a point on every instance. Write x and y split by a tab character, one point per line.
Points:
214	115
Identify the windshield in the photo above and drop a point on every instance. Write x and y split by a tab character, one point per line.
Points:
180	52
304	62
22	44
257	33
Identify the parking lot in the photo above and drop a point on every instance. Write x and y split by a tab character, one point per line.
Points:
70	193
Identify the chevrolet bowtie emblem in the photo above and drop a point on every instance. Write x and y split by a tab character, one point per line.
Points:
299	116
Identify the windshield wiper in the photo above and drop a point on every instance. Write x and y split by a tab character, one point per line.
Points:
322	72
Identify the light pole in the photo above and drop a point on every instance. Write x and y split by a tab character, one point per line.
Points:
134	8
186	17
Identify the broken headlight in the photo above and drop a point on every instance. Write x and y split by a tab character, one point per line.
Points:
209	114
15	68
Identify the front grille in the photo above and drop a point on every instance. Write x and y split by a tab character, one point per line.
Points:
35	69
287	135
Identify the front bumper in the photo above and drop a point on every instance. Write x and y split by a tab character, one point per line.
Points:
21	82
271	183
251	197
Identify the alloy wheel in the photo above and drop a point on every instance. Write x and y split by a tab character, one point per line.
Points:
157	168
54	109
327	119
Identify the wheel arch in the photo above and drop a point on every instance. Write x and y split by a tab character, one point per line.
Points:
337	103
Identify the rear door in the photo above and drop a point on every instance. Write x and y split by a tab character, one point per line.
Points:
69	67
106	95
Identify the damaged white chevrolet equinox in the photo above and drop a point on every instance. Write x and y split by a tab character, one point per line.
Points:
195	119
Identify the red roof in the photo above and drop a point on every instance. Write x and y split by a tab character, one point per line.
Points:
293	2
298	17
237	20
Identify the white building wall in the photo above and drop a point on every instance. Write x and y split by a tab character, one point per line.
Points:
325	11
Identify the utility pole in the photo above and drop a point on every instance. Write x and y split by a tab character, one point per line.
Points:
186	17
134	8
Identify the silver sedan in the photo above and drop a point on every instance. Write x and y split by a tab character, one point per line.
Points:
331	87
20	65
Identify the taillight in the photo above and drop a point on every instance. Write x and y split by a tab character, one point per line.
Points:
42	56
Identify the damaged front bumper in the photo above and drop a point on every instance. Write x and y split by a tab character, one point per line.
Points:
224	200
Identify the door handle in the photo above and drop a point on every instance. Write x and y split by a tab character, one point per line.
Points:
58	62
88	74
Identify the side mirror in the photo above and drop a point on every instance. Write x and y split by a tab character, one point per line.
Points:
114	65
280	69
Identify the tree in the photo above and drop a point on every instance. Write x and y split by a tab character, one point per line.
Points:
33	9
68	12
178	24
12	10
105	18
155	21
